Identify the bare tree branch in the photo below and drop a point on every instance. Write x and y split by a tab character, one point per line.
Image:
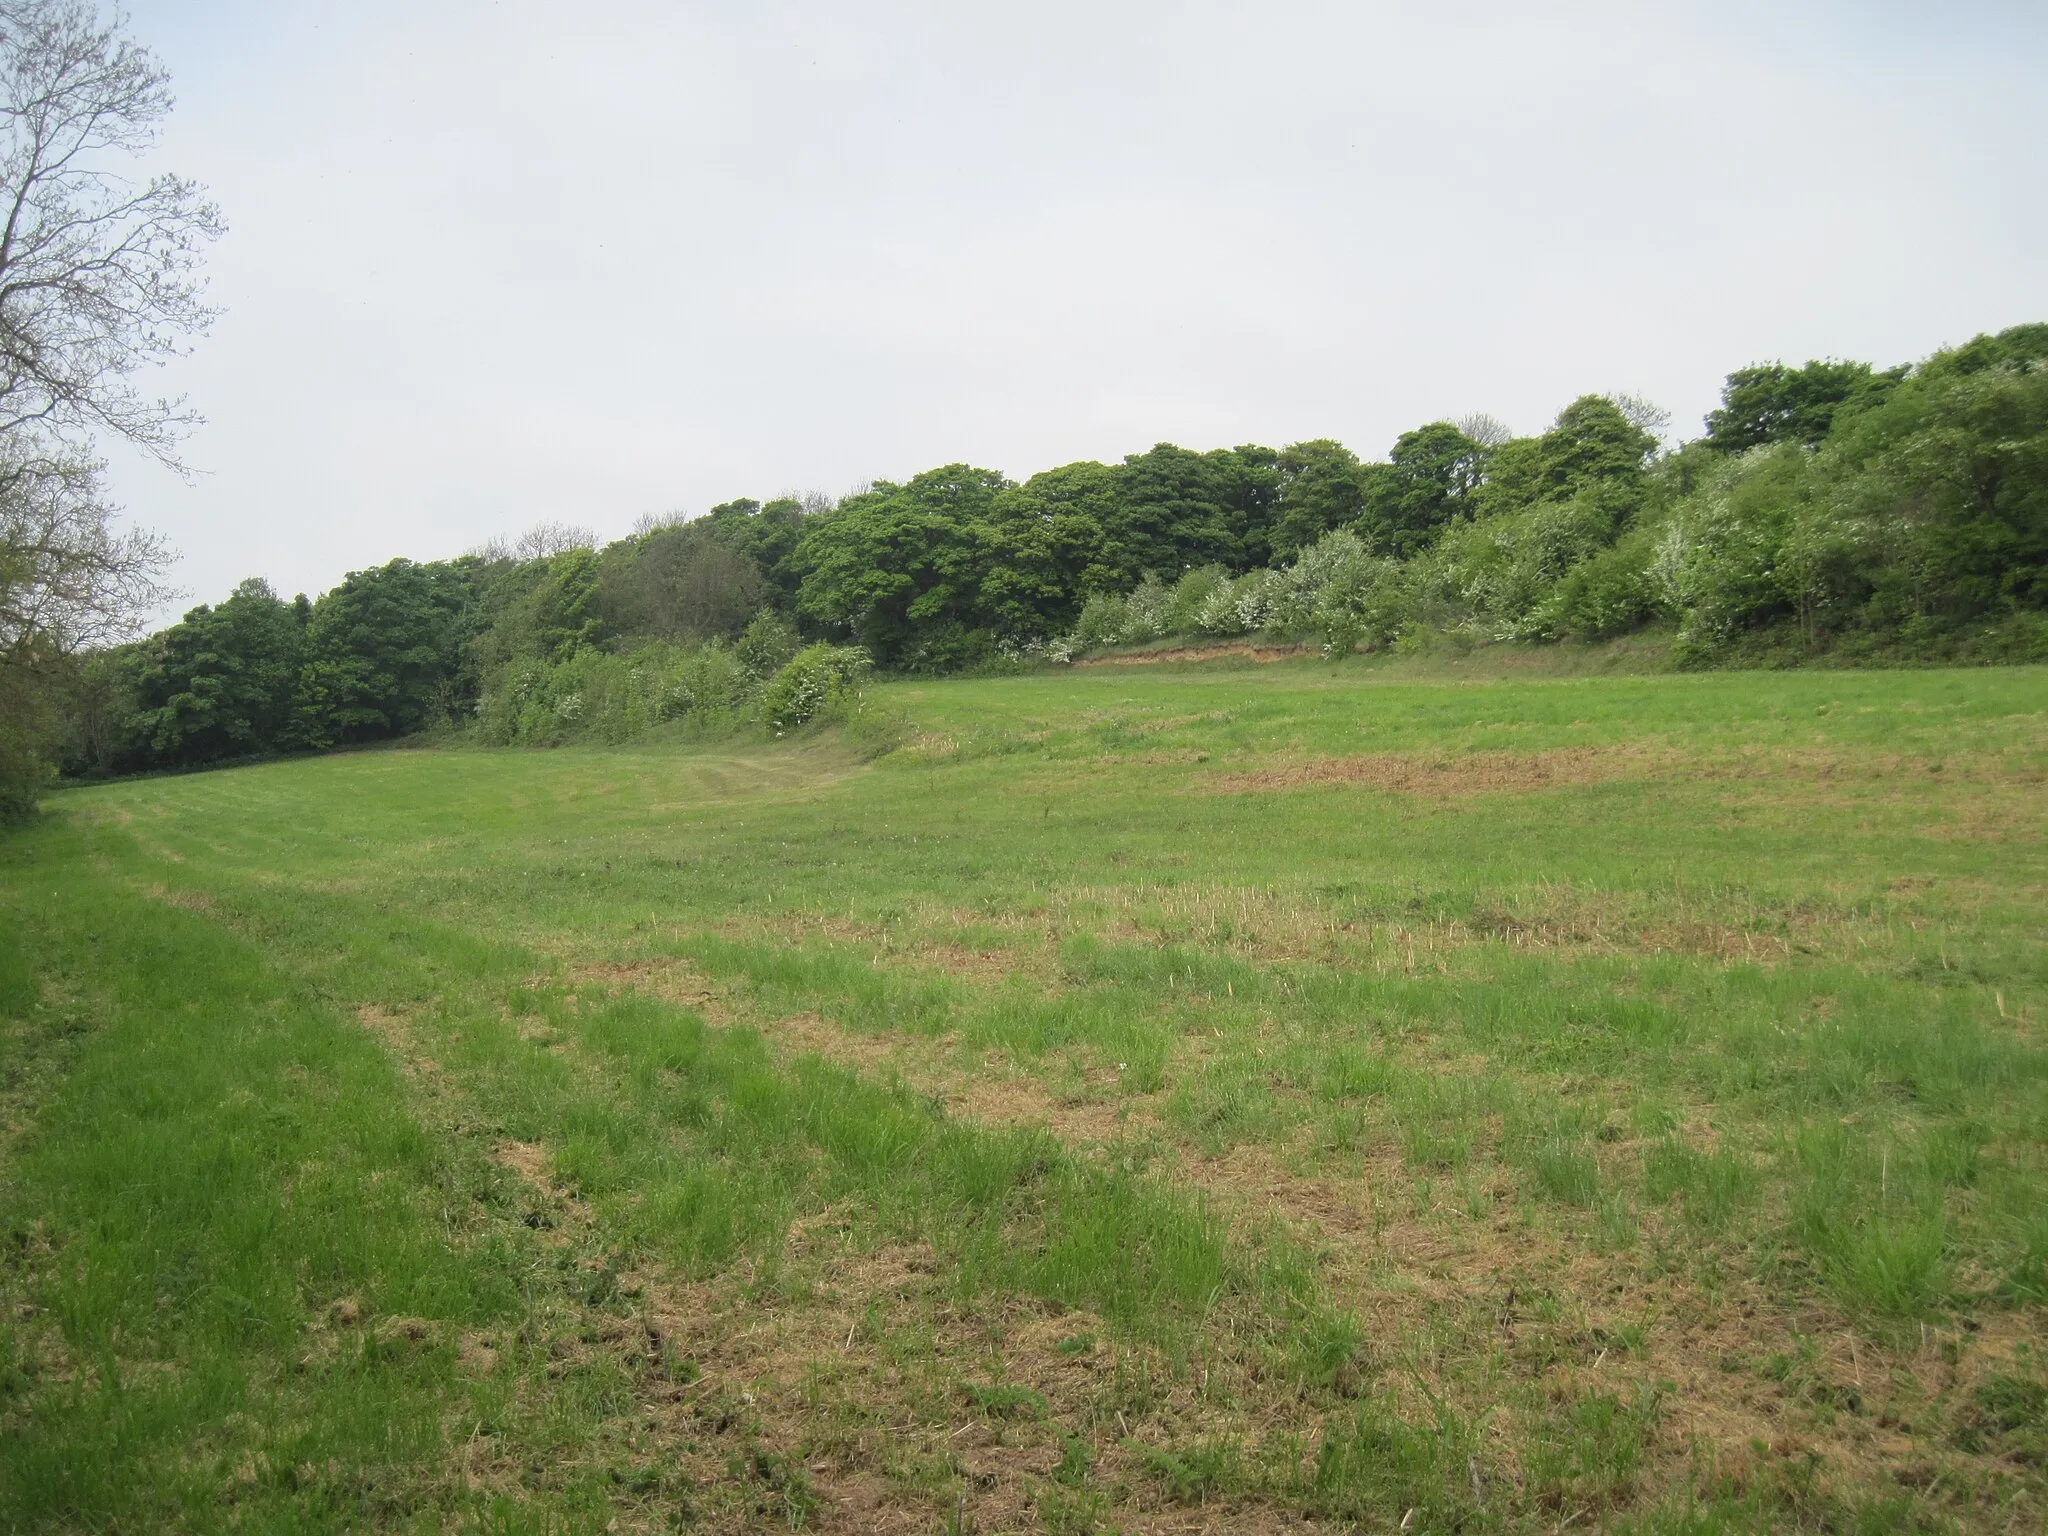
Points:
545	539
1487	431
68	580
99	274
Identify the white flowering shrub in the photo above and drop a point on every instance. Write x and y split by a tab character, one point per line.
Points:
1217	614
1252	597
1501	570
1760	538
818	680
1148	613
1105	620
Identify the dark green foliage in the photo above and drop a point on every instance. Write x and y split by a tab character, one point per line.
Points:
2016	347
766	536
28	726
899	568
224	682
1951	474
1322	487
1176	508
1427	481
387	652
679	583
1591	446
1063	517
1772	403
546	609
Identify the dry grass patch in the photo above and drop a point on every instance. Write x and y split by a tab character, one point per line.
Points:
1277	923
671	980
1244	649
1453	775
926	937
1446	775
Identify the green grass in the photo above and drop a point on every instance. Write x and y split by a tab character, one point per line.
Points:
1595	1099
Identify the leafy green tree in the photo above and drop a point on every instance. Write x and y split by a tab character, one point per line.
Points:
544	610
1950	477
1772	403
1061	517
99	281
1175	509
1592	447
766	535
1428	479
223	682
2017	346
1320	487
678	582
388	649
900	567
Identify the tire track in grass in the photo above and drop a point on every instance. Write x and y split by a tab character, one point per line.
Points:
1014	1215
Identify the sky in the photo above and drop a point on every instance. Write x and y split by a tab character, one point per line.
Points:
494	264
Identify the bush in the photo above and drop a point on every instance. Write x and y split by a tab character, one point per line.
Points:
1500	571
818	681
1104	620
768	643
1340	593
598	696
1609	594
30	735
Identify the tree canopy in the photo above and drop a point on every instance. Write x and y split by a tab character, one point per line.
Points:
1837	505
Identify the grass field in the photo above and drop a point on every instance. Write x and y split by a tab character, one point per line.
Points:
1157	1099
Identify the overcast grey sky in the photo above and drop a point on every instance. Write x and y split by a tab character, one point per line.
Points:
493	263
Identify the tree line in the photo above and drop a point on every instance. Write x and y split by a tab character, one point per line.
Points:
1833	509
1830	508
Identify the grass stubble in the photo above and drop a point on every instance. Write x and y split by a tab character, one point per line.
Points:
1188	1100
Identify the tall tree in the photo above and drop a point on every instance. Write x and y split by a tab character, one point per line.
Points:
1427	480
766	535
99	277
224	682
1321	486
389	649
900	567
1176	509
1771	403
1591	448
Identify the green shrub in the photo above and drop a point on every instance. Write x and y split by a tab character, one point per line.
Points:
598	696
817	681
768	644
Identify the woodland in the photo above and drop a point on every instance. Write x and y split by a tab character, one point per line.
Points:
1834	513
